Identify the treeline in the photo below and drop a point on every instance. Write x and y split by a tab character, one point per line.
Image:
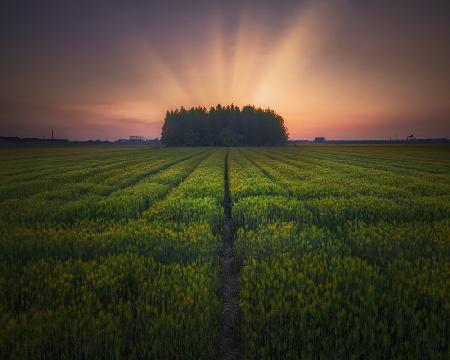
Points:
223	126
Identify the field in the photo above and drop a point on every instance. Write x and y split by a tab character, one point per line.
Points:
117	251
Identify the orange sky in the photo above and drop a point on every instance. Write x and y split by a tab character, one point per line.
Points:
330	68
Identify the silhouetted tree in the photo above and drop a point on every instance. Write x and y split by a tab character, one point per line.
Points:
223	126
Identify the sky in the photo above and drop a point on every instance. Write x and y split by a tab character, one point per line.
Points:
339	68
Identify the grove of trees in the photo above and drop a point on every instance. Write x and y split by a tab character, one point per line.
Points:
223	126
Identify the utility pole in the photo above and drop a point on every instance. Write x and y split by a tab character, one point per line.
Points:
52	134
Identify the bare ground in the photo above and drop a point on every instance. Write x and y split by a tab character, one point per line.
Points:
228	340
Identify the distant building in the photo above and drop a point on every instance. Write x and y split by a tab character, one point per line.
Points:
137	138
294	142
319	140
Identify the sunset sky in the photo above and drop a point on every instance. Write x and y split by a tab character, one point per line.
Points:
339	69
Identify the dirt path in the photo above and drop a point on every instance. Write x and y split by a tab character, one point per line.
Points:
228	341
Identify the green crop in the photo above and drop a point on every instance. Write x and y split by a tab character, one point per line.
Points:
115	251
344	251
111	263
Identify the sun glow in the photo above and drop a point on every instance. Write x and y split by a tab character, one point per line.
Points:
291	70
324	68
255	67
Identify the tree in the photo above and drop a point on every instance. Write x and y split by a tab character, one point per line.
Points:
223	126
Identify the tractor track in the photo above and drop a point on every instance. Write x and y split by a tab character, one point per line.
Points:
228	345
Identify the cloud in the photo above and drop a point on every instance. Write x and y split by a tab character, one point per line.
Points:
37	120
342	67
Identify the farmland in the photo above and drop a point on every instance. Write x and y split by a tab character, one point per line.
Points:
117	251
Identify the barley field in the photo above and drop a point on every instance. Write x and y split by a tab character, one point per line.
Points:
342	251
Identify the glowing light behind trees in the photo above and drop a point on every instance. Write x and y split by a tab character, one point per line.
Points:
338	69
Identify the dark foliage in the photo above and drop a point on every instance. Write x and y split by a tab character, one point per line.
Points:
223	126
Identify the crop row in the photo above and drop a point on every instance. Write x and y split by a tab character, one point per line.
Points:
97	179
90	202
344	252
143	285
331	269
